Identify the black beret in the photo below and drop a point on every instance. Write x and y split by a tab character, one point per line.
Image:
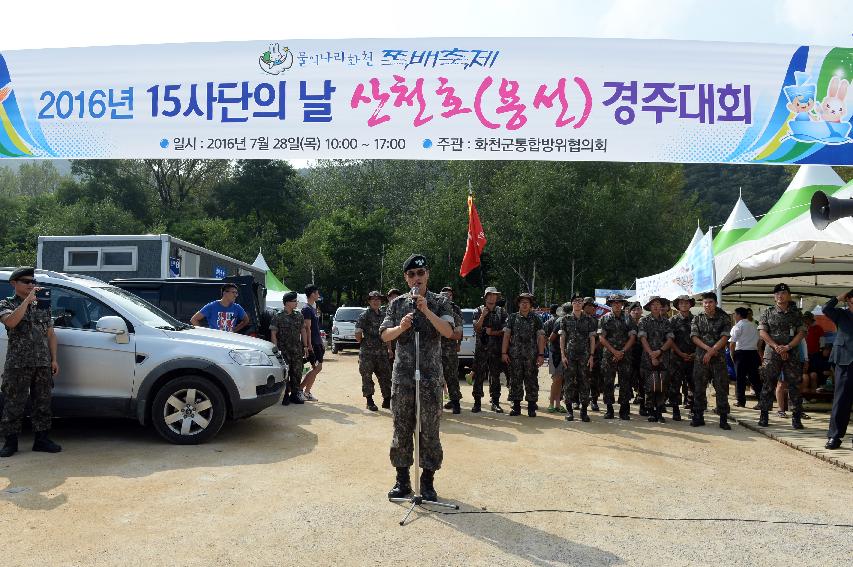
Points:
781	287
22	272
289	296
415	261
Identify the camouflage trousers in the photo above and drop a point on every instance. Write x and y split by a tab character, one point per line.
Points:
609	368
487	366
636	381
403	411
450	366
576	380
655	382
791	369
523	376
680	380
19	385
294	370
595	385
716	373
370	364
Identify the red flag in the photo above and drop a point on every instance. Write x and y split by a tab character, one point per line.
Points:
476	240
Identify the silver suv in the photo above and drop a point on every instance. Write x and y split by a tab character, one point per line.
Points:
119	356
343	328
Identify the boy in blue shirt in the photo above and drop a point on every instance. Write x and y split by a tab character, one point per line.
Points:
224	314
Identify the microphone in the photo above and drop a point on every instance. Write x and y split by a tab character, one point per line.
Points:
414	292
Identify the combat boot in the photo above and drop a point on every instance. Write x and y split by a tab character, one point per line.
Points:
516	408
449	405
285	401
570	414
44	444
643	411
11	446
653	415
584	415
476	408
624	412
594	405
676	413
496	406
386	403
455	407
608	414
427	489
370	405
724	422
659	414
531	409
796	418
763	420
698	420
403	487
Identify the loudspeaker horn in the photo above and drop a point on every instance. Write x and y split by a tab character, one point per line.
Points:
825	209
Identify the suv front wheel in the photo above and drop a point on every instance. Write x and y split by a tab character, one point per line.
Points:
188	410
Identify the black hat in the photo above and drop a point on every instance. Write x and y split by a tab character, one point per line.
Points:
415	261
781	287
289	296
21	272
393	291
686	298
374	294
528	296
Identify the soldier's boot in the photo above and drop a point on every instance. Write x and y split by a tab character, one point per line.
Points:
476	408
386	403
11	446
661	419
570	414
370	405
516	408
653	415
688	403
763	420
449	405
44	444
594	405
531	409
624	412
609	413
643	411
427	489
584	415
796	420
676	413
285	401
455	407
403	487
496	405
698	420
724	422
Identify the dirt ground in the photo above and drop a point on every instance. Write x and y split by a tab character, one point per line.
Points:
307	484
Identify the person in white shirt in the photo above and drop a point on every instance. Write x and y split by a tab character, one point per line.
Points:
743	343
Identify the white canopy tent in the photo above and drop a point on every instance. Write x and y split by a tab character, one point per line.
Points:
275	288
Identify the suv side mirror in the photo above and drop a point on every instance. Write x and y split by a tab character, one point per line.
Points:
114	326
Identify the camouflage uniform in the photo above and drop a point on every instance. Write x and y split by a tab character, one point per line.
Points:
27	371
710	330
636	356
403	382
617	331
450	357
549	327
656	331
523	375
681	371
373	355
577	331
782	328
595	379
487	353
288	329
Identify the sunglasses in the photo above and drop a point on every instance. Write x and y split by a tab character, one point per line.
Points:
27	281
419	272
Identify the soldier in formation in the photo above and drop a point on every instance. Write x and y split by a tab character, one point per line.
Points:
555	363
656	335
616	335
577	346
683	355
589	307
373	353
523	352
450	355
710	331
489	322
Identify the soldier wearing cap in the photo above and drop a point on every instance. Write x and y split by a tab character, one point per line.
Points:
30	364
429	314
287	331
523	352
595	386
489	322
656	336
392	294
577	345
683	355
450	354
781	328
373	353
710	331
555	364
616	336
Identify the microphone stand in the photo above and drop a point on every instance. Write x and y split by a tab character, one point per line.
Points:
416	499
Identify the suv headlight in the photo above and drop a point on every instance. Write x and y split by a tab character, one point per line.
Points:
250	358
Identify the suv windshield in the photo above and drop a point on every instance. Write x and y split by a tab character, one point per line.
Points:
142	310
349	314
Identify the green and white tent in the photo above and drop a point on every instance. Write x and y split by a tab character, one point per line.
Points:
739	222
275	288
784	246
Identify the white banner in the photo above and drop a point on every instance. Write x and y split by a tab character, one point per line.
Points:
462	98
692	275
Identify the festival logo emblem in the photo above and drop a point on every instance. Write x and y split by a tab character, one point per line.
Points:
276	59
815	122
16	140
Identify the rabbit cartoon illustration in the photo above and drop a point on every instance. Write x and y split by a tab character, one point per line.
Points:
832	107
